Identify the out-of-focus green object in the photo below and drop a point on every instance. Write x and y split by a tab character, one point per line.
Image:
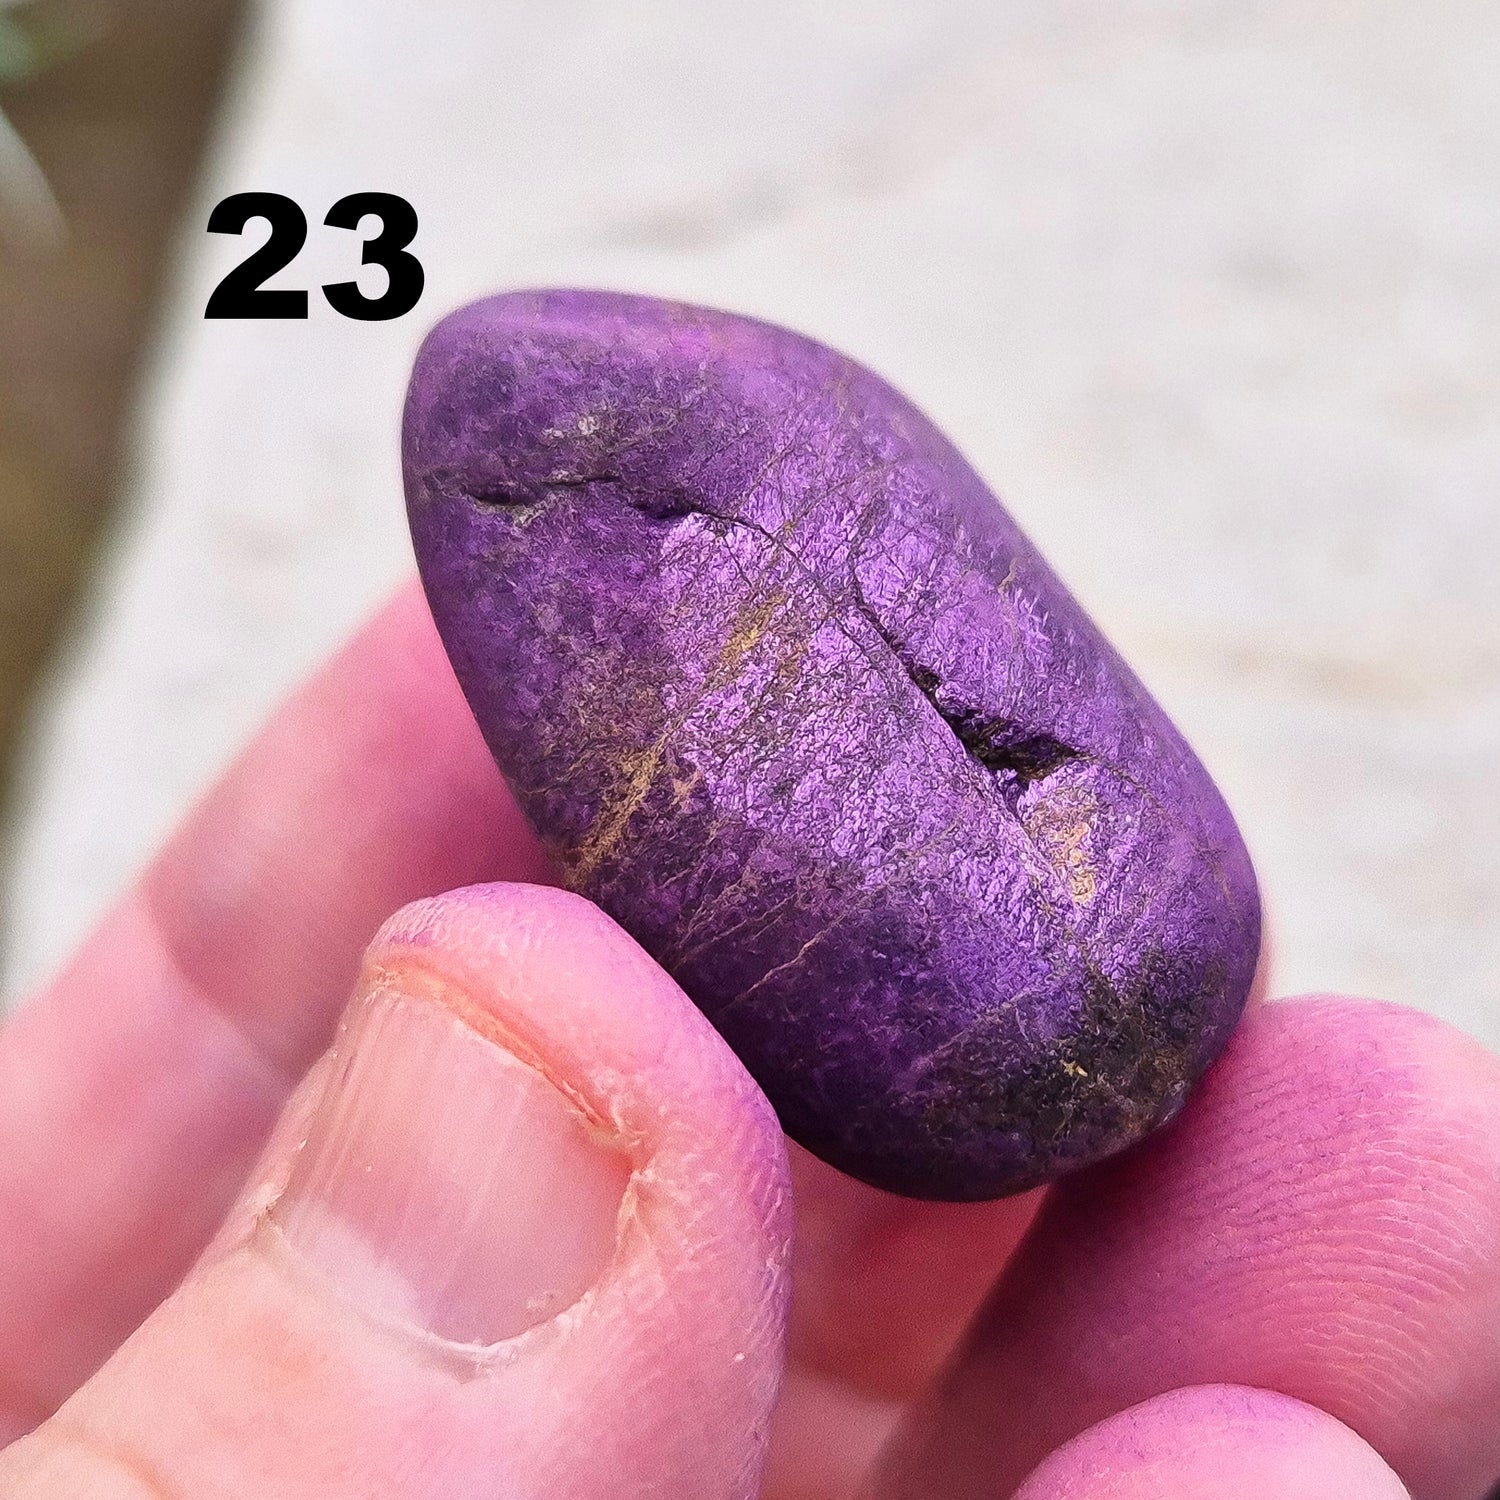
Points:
107	106
30	42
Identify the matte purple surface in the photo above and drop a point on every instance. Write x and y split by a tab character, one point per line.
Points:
790	696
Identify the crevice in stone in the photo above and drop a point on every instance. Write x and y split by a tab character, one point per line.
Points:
1002	745
1020	756
510	494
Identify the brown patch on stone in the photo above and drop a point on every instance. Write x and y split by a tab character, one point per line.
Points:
1060	825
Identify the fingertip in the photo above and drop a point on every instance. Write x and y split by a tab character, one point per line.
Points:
571	991
559	985
1326	1211
1320	1220
1218	1442
536	1197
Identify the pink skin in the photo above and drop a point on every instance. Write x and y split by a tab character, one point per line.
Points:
313	1398
1216	1442
1320	1222
148	1074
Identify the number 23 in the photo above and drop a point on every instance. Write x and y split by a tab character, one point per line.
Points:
241	293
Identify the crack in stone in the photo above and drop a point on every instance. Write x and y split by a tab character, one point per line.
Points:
999	744
1007	749
510	494
1015	757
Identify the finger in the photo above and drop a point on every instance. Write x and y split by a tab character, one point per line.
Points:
824	1436
1216	1443
886	1285
535	1245
1321	1220
136	1092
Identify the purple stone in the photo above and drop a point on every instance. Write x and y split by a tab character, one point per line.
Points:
788	694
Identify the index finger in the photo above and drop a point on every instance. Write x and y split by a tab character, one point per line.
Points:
138	1088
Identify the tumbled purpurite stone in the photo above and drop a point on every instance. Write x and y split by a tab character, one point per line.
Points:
788	694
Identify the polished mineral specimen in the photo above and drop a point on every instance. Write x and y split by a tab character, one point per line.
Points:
786	692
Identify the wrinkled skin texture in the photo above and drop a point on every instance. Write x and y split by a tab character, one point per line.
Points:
787	693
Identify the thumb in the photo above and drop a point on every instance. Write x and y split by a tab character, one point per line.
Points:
523	1232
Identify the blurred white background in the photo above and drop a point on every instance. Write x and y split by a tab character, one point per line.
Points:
1210	291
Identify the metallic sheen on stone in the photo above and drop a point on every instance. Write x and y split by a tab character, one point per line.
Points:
786	692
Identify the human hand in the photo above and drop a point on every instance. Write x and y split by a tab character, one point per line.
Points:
527	1230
